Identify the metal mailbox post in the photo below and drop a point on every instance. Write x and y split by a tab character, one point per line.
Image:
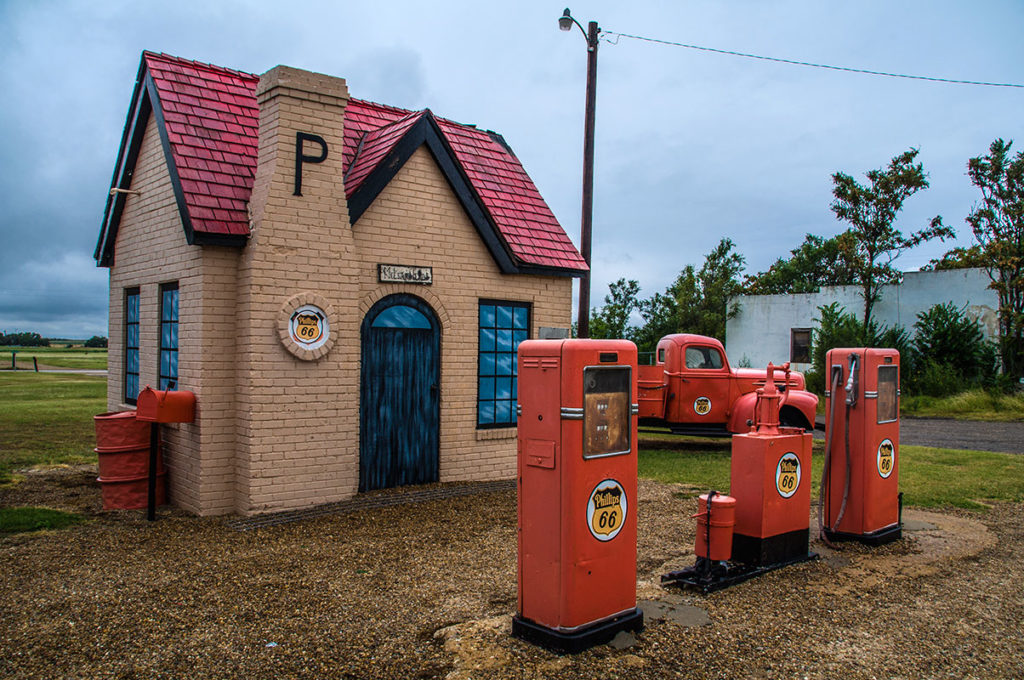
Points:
577	474
161	406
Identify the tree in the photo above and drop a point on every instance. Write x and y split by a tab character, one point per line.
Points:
871	212
815	263
998	225
705	306
697	301
951	351
612	320
25	339
659	315
839	328
957	258
96	341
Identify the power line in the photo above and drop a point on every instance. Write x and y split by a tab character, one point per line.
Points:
805	63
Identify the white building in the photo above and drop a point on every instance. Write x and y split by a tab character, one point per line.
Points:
777	328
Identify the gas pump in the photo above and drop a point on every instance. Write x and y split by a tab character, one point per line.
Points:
860	497
764	523
577	474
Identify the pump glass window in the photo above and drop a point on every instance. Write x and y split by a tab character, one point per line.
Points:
131	345
169	336
888	404
503	325
606	406
703	357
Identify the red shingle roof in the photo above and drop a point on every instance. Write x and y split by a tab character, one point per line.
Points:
212	125
211	119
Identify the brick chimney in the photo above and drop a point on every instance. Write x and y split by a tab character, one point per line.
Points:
297	437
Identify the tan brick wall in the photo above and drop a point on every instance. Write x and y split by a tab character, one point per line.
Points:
151	249
273	431
417	220
297	420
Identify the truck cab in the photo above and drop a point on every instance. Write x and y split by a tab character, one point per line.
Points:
692	388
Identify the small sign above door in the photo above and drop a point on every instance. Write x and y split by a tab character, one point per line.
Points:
400	273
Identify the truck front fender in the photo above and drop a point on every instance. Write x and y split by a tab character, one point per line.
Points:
742	411
798	409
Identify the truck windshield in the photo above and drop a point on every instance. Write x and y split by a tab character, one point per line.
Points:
703	357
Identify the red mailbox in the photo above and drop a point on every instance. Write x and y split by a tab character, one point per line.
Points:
577	499
170	406
161	406
860	484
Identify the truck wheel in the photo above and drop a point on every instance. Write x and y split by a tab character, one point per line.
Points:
791	417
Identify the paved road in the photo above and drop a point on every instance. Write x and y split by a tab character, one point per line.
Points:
959	434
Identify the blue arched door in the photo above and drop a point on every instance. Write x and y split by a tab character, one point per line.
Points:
400	401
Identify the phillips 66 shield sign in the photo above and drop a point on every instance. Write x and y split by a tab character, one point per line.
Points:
606	510
309	327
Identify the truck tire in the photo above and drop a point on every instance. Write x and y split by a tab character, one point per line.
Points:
792	417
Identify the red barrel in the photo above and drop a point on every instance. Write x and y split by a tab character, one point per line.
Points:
132	493
122	447
723	519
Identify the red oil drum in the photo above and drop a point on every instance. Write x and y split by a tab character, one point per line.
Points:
132	493
122	447
723	519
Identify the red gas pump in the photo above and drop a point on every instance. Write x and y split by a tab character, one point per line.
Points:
577	498
860	497
769	499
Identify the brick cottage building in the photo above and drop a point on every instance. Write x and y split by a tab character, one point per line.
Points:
342	284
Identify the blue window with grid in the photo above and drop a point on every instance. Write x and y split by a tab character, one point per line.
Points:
169	336
503	325
131	345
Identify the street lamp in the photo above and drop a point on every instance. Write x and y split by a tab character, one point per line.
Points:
565	22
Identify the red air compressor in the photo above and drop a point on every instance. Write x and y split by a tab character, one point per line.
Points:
770	498
577	473
860	497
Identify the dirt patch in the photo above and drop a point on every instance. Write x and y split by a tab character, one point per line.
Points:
941	539
426	590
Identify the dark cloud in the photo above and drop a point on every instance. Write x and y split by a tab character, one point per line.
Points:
691	146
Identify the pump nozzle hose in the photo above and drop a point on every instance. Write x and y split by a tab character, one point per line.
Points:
836	377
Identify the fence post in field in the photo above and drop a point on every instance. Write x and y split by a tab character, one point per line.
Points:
14	360
35	363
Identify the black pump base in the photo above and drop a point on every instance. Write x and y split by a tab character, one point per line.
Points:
880	537
577	640
708	576
764	552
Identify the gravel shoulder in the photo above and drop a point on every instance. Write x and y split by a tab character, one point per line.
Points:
426	590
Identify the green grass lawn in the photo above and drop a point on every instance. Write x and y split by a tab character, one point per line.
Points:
58	357
929	477
971	405
47	419
14	520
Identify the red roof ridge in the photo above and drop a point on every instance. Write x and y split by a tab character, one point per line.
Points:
163	56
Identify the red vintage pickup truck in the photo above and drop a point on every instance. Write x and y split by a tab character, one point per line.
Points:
692	389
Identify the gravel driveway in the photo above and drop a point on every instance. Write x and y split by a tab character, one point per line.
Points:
426	589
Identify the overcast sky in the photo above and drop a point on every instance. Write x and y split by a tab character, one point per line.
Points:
691	146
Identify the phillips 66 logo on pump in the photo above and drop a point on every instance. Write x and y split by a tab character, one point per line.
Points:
577	492
606	511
